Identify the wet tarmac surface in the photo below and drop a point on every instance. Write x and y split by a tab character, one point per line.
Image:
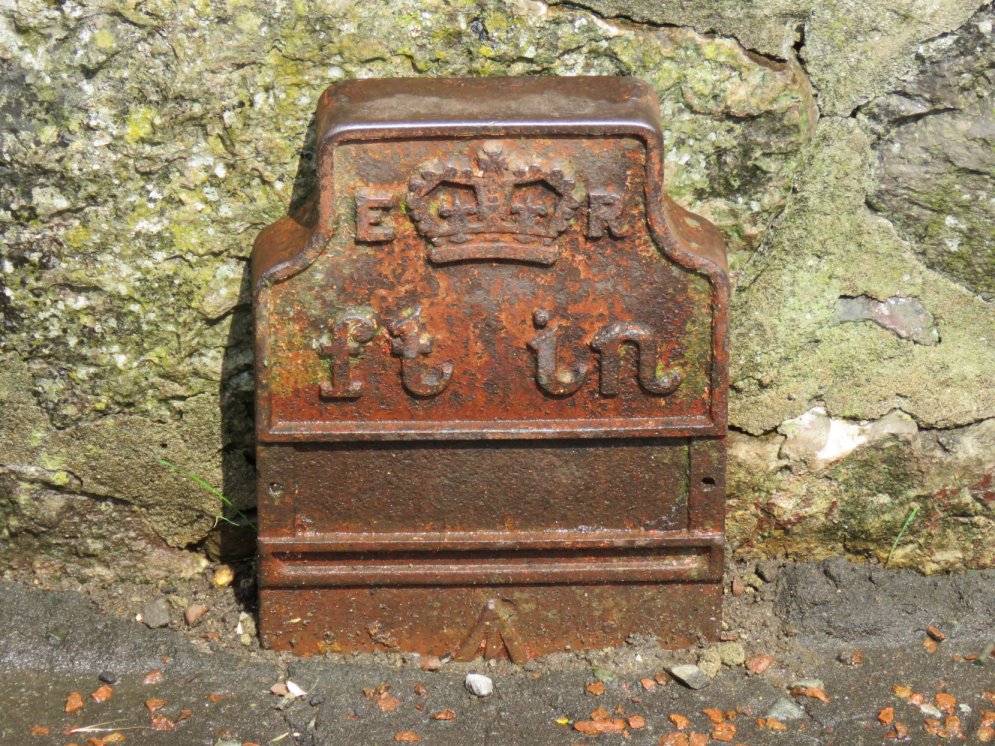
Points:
815	620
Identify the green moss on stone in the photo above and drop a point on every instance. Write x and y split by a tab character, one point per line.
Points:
175	144
140	124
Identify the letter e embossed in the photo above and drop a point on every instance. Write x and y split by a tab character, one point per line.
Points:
372	208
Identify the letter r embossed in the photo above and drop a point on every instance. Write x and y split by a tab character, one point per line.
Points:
605	212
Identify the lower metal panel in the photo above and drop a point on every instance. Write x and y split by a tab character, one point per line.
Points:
518	622
354	562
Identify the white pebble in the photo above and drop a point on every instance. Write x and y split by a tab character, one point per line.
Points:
479	685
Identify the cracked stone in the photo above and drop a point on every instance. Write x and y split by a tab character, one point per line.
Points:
852	51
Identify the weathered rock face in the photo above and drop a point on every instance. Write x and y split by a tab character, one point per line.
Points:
839	487
142	146
793	350
852	51
936	155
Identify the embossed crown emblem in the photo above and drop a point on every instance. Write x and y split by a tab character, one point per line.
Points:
496	207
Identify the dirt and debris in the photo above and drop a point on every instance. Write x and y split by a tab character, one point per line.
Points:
815	653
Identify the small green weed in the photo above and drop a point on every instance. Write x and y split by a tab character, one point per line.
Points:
217	493
901	532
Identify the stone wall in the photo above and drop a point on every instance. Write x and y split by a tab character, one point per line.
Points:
845	150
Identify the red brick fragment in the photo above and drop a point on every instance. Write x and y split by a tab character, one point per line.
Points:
597	727
724	732
759	663
102	694
74	702
153	677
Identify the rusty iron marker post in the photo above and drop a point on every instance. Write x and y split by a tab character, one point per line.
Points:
491	378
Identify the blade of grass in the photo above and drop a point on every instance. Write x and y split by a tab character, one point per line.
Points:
908	522
213	490
103	727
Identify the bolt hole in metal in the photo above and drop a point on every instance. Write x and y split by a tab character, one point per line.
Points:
708	481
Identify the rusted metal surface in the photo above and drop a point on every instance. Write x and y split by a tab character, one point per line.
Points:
491	378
